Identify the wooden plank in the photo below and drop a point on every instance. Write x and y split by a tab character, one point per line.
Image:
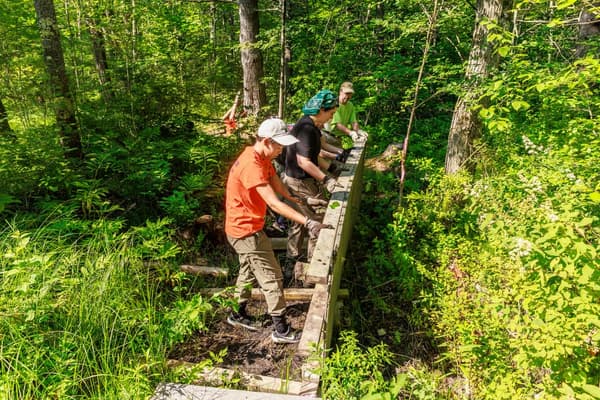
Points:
312	333
176	391
259	383
327	269
204	270
290	294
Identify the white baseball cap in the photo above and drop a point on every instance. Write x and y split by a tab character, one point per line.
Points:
276	129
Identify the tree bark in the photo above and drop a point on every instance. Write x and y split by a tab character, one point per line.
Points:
589	26
284	61
99	50
64	104
466	126
252	63
4	125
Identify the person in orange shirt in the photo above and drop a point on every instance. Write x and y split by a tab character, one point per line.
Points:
252	185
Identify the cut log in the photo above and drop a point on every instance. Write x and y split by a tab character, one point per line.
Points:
205	219
204	270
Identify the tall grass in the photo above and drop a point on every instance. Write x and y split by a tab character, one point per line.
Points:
79	314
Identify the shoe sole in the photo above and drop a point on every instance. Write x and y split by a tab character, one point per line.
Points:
240	325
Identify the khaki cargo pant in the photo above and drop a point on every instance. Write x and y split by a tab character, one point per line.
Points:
259	265
303	188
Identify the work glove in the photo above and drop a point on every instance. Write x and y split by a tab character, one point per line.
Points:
314	227
354	135
311	201
330	184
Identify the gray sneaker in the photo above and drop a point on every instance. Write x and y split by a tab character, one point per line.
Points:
241	321
290	336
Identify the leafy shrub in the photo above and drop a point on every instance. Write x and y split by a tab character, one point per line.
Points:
350	372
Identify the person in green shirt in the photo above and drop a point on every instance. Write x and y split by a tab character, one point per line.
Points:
344	122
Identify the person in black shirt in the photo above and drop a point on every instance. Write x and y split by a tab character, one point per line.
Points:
302	173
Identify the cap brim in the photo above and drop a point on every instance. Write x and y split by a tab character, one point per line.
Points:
285	140
348	91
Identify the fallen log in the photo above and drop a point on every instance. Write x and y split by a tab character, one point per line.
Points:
204	270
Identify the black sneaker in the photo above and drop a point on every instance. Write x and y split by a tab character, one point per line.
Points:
290	336
243	322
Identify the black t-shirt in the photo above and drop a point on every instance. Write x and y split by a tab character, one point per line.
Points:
309	146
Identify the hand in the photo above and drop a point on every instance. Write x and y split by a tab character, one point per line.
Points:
354	135
330	184
314	227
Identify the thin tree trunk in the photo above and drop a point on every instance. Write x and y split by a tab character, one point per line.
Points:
64	103
100	58
283	76
589	26
430	38
4	125
466	126
380	12
252	63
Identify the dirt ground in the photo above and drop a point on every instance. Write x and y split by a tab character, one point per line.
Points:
251	352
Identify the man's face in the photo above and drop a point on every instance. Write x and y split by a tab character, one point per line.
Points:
273	148
344	97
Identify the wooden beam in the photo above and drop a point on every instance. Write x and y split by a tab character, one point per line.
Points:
290	294
204	270
314	325
256	383
178	391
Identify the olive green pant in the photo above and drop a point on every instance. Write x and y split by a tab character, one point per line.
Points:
303	188
259	265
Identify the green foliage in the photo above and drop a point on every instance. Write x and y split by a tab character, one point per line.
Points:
509	257
179	208
350	372
82	316
185	317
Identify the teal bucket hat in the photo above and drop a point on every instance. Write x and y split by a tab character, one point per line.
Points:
324	99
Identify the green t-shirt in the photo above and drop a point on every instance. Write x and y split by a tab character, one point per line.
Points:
344	115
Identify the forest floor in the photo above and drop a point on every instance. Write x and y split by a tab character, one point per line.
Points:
247	351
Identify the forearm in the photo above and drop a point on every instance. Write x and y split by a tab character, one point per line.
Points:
288	212
343	128
327	154
330	148
312	170
280	188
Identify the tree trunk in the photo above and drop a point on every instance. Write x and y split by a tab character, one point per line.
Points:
99	50
4	125
284	62
64	104
466	126
252	64
589	26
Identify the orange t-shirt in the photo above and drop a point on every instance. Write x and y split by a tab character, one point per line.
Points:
245	209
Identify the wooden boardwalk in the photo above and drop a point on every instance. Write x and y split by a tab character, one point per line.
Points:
324	271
